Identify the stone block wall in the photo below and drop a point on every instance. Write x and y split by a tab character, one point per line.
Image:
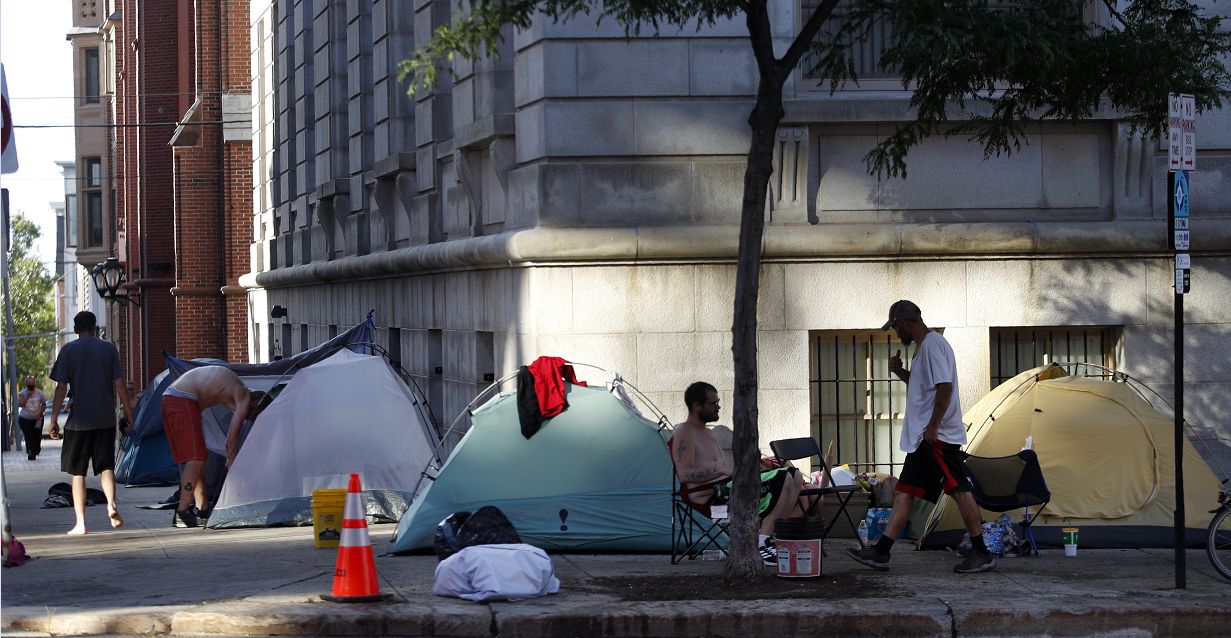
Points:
579	196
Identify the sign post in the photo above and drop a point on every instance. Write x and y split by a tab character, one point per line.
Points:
1181	159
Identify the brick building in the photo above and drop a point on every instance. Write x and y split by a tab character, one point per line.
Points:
174	172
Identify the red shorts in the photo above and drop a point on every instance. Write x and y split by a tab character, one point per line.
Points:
181	419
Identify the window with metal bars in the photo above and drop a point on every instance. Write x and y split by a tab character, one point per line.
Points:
1016	350
868	49
857	404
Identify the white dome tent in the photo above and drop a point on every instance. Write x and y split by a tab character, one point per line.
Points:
348	413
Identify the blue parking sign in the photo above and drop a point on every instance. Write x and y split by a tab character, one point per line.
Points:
1181	194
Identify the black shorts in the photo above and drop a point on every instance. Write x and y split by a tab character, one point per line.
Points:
83	448
934	468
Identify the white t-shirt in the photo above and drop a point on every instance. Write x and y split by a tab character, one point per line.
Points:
933	363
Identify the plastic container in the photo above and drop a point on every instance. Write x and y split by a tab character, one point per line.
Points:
328	507
798	541
863	533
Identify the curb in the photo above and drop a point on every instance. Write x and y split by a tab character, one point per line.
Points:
602	616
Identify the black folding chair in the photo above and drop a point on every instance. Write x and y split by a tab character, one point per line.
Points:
1006	483
810	498
693	527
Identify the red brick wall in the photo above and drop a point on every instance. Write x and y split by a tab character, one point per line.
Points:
213	196
141	168
186	212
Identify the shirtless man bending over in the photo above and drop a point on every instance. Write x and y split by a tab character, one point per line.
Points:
700	460
182	403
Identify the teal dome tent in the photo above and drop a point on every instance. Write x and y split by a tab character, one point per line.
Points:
595	478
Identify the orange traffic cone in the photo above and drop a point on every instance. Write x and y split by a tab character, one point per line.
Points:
354	579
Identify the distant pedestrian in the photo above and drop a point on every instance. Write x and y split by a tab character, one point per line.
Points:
182	404
30	417
91	368
932	436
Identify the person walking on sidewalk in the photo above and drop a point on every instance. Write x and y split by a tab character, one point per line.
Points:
182	403
30	417
91	368
932	437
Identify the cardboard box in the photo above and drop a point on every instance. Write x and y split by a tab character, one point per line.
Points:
857	507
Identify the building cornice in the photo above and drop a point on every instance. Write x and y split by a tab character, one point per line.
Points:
858	241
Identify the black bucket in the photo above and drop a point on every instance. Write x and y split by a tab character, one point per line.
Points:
798	541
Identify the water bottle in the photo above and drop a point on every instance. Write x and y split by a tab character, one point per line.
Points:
863	533
714	554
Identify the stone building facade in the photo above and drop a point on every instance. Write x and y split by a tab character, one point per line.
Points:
579	196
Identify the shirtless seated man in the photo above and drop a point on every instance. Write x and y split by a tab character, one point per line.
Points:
700	460
182	403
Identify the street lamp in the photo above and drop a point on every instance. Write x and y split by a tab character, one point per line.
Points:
109	278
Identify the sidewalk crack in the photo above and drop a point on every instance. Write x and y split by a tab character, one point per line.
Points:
952	617
493	628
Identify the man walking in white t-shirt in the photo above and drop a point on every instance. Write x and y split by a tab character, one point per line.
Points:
932	437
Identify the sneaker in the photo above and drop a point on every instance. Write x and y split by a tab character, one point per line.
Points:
870	557
976	562
769	555
188	517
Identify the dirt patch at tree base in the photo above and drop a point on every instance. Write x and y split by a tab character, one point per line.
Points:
713	587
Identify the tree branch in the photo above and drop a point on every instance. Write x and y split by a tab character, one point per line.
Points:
762	38
1115	13
807	34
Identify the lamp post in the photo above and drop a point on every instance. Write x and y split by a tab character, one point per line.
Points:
109	280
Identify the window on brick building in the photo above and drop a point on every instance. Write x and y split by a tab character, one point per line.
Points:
92	196
94	219
93	172
91	67
857	404
70	221
1016	350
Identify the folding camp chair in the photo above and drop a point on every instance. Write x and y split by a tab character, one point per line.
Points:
693	527
1005	483
810	498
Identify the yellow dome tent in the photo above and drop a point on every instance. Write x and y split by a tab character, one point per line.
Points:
1106	453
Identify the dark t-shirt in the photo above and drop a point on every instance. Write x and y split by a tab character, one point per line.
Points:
90	367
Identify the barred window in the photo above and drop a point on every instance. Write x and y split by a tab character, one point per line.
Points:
857	404
868	53
1016	350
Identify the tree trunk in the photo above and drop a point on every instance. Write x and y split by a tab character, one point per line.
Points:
745	562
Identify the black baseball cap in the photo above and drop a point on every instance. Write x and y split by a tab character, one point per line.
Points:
902	309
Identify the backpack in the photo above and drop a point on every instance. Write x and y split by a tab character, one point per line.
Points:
486	526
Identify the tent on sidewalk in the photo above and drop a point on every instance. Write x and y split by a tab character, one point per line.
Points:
145	456
1107	455
348	413
597	477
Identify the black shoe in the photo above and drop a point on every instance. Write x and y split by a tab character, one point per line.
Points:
188	517
31	457
975	563
769	555
870	557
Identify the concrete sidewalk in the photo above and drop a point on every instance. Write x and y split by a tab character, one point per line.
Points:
148	578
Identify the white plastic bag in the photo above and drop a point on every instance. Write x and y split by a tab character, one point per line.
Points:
496	572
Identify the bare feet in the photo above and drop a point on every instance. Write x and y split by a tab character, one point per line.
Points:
116	519
79	530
